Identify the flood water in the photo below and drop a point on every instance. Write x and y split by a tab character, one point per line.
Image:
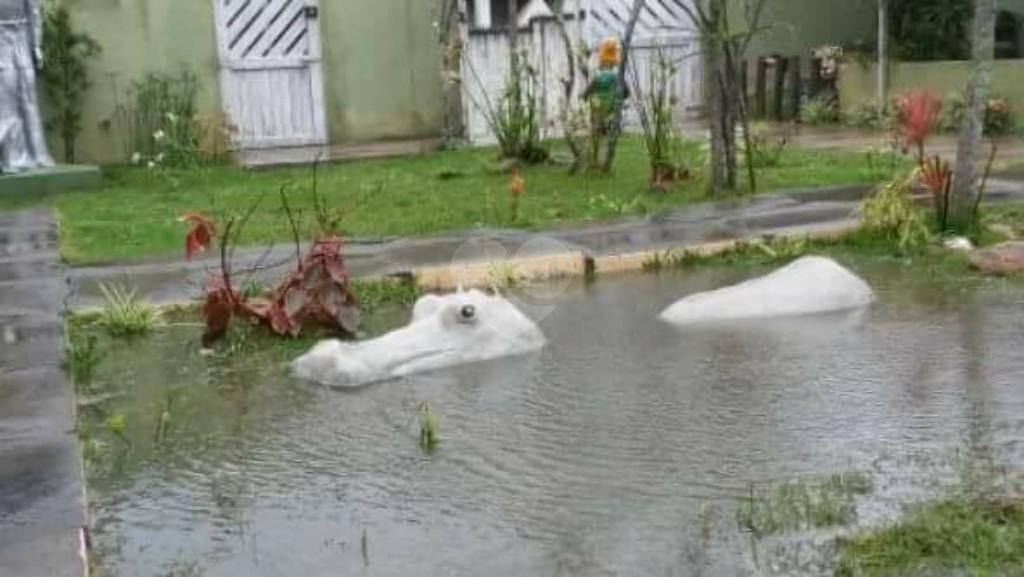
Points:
625	448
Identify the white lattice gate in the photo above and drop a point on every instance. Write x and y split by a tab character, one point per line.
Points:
271	76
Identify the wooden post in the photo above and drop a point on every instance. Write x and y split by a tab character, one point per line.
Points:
761	87
781	64
795	87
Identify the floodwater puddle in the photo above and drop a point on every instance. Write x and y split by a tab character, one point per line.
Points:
625	447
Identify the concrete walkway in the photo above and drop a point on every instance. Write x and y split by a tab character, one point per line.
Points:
42	505
822	210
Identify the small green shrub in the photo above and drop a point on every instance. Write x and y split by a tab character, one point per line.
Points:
516	118
766	150
655	104
160	119
81	358
819	112
892	214
123	315
865	114
65	75
999	118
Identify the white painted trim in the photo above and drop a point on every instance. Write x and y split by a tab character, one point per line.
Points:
317	76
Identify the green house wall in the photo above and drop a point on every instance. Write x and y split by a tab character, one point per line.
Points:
380	65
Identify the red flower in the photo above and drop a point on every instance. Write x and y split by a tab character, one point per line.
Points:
918	114
517	184
199	236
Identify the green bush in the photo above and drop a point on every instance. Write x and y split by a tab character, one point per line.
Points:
892	214
865	114
766	150
819	112
159	118
123	315
65	75
999	119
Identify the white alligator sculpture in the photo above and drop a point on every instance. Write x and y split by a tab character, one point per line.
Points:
809	285
454	329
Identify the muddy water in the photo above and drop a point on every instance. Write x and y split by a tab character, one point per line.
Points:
624	448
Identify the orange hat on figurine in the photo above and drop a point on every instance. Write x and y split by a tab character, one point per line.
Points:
608	52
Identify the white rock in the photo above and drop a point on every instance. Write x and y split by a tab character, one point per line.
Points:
459	328
812	284
958	243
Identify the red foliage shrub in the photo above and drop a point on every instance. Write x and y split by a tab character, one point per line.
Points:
918	113
315	294
199	236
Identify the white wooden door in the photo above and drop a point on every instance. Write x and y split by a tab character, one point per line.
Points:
271	75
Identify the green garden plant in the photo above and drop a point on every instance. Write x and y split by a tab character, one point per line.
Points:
865	114
655	104
428	427
819	112
999	117
81	357
892	214
515	119
123	315
160	119
65	75
766	149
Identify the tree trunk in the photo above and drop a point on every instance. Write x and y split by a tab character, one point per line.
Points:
568	87
721	101
451	39
962	204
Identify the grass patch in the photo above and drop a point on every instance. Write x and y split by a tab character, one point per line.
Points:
934	263
948	538
134	216
801	505
123	315
81	357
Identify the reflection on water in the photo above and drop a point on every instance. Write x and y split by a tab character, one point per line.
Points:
625	448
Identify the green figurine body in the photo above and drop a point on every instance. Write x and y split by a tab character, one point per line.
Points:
604	94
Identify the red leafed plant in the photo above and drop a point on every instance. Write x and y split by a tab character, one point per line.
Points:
199	236
315	294
937	176
918	113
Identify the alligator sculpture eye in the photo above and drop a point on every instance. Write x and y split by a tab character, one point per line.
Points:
467	314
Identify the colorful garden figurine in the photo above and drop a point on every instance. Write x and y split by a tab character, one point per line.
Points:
604	93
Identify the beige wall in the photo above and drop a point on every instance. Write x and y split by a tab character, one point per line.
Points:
857	81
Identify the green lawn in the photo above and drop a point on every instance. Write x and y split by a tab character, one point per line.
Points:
134	217
947	538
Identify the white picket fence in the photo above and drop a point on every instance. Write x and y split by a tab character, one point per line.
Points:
486	61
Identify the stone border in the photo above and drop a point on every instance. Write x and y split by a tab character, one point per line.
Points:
578	263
